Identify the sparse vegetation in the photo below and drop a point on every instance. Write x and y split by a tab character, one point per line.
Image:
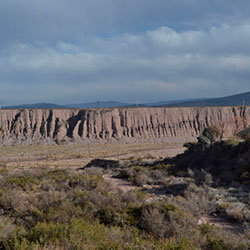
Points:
69	210
77	209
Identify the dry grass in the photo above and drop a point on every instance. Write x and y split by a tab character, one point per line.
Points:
75	155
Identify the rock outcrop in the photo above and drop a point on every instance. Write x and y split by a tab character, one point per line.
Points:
120	122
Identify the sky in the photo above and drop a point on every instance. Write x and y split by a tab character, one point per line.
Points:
76	51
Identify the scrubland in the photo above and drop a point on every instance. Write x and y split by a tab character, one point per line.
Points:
58	197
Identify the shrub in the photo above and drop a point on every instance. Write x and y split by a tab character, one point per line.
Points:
46	232
217	244
154	222
22	181
140	179
211	133
232	141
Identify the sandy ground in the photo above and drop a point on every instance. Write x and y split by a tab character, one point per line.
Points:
73	156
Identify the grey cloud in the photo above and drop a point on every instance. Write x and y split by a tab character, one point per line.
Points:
50	21
168	62
79	51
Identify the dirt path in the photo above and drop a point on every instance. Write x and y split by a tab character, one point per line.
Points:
221	223
154	193
121	184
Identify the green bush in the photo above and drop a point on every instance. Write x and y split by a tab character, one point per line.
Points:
47	232
211	133
24	182
217	244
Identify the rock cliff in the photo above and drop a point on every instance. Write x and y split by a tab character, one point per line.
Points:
120	122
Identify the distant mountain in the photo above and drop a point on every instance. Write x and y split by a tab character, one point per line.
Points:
99	104
172	102
36	106
233	100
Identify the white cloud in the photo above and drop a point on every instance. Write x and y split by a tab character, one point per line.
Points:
157	64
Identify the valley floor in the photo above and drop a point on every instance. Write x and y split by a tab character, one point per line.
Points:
23	157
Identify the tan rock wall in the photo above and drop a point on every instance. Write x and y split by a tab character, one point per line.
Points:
120	122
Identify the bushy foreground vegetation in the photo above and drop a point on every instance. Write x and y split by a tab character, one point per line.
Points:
62	210
79	210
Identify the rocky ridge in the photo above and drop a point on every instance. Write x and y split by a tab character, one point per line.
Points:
118	123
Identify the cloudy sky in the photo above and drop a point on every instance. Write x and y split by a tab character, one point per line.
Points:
74	51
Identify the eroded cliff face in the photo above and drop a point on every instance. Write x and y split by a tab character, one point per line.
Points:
120	122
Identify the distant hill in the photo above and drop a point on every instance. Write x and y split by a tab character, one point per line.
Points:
36	106
233	100
99	104
172	102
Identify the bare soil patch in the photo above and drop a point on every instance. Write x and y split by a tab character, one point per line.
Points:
221	223
121	184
